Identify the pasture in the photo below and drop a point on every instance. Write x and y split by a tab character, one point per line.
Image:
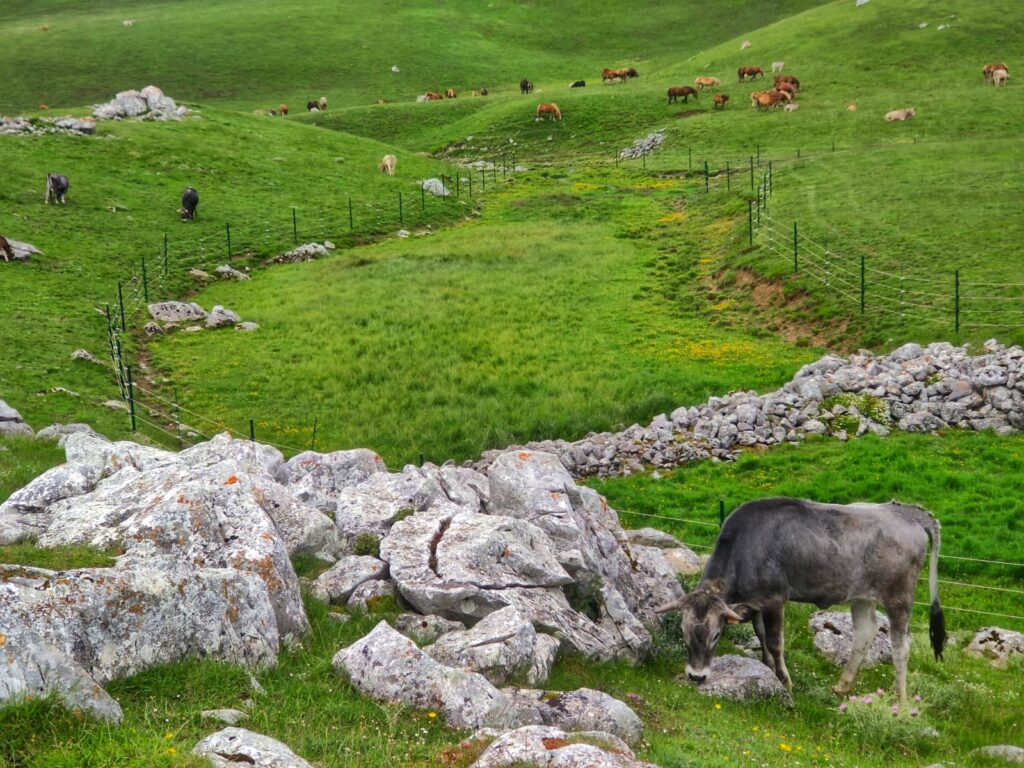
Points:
582	293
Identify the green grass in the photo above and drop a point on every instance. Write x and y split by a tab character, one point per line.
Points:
24	459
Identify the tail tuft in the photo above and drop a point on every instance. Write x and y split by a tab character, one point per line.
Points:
937	629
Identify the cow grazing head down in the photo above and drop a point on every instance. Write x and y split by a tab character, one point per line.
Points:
704	617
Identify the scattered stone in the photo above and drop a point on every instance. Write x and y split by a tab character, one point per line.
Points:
337	584
227	716
995	644
221	318
589	710
833	637
116	405
232	747
38	126
424	630
742	679
227	272
306	252
539	745
1005	752
86	356
11	423
152	328
176	312
247	327
200	275
435	187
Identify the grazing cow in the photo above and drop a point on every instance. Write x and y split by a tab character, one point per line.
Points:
900	114
991	68
682	90
706	82
387	165
721	100
313	106
322	104
450	93
771	551
787	88
484	91
751	72
744	45
282	110
549	109
765	99
578	84
189	202
56	188
777	66
999	77
382	101
795	82
525	86
432	96
616	75
6	249
632	73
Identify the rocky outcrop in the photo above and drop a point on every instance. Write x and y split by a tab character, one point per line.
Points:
11	423
644	146
912	389
305	252
997	645
74	126
833	637
319	478
148	104
337	584
232	747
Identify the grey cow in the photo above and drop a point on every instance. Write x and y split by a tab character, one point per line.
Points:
771	551
56	188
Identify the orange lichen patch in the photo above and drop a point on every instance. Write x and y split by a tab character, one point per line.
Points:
523	455
3	640
182	499
136	609
555	495
550	744
232	614
231	480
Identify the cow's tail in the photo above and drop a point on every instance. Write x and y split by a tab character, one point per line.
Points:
936	619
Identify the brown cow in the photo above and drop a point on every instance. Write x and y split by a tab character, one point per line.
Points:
610	75
795	82
450	93
787	88
282	110
751	72
706	82
431	96
721	100
682	90
6	249
990	68
549	109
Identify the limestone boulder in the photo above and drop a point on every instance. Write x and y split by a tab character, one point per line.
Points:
220	317
587	710
337	584
11	423
176	312
742	679
373	505
60	432
833	637
997	645
318	478
546	747
24	516
424	630
373	597
232	747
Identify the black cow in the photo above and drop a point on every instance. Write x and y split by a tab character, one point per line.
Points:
525	86
313	106
579	84
773	550
189	202
56	188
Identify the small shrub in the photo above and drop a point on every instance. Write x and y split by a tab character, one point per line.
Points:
584	595
366	544
403	513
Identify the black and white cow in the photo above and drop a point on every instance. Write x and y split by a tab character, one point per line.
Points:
56	188
578	84
771	551
189	201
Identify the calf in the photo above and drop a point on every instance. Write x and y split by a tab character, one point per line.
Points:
525	86
282	110
387	165
721	100
999	77
775	550
189	202
322	104
313	106
56	188
450	93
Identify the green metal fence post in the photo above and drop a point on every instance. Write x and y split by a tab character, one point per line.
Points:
295	226
707	186
401	214
227	228
862	283
728	177
120	300
131	397
796	266
145	281
721	512
165	254
351	223
750	222
956	300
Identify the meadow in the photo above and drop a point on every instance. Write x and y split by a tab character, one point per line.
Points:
578	294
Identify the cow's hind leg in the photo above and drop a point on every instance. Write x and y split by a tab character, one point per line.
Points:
863	614
899	635
773	617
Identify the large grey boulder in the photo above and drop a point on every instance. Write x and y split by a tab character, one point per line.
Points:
833	637
304	530
253	456
131	103
997	645
1007	753
742	679
652	537
388	667
500	647
586	710
156	609
318	478
60	432
111	458
221	317
24	516
336	584
31	667
547	747
176	312
11	423
372	506
232	747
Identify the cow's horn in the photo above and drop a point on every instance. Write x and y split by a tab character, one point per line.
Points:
667	607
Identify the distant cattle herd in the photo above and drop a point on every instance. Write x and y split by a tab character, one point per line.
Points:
783	93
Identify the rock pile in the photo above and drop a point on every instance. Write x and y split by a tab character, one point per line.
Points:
21	251
148	104
644	146
75	126
175	313
306	252
913	389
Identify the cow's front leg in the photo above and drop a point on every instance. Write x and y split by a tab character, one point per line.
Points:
863	614
758	621
773	616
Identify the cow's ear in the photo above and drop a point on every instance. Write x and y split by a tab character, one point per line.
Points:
738	613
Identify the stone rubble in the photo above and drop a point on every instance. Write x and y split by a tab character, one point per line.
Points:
912	389
148	104
643	146
75	126
306	252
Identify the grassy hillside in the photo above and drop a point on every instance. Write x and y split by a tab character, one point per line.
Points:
250	53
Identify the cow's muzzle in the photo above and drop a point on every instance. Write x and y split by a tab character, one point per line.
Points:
696	675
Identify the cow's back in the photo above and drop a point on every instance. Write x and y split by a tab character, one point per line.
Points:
818	553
